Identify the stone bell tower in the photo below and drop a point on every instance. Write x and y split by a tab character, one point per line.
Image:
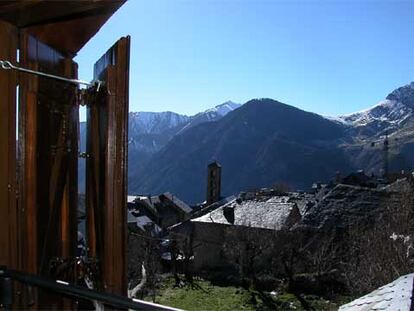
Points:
213	182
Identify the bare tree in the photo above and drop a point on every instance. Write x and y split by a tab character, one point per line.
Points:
248	249
144	263
380	253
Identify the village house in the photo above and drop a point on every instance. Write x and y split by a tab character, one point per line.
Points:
207	235
164	210
268	211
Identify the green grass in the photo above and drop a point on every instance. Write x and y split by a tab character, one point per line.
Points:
205	296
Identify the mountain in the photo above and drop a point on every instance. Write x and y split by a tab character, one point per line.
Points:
155	122
392	118
265	141
388	116
258	144
212	114
151	131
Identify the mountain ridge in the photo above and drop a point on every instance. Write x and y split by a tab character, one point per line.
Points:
244	143
265	141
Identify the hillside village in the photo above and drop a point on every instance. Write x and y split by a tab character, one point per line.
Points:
254	206
311	242
335	240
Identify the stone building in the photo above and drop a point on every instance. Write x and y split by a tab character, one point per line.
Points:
264	212
164	210
208	234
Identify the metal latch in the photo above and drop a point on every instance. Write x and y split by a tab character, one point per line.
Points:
6	65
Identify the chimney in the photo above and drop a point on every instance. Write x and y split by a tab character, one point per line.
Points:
228	213
213	183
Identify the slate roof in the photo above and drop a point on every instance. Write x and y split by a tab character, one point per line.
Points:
345	204
304	201
149	203
131	218
395	296
142	221
272	213
183	206
206	209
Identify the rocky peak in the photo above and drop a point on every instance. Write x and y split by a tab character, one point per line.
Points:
404	94
388	115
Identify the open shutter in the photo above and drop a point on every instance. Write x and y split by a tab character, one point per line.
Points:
106	167
48	152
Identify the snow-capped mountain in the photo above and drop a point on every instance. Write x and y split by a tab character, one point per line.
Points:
404	94
389	115
390	111
220	110
159	122
258	144
149	132
154	122
266	141
210	115
213	114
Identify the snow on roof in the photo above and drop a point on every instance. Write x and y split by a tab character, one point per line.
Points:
131	198
393	296
269	214
131	218
142	221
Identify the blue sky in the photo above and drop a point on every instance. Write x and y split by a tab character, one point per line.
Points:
327	57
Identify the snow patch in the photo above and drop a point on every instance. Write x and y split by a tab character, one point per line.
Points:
386	111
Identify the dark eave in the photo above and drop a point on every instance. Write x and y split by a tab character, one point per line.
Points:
63	25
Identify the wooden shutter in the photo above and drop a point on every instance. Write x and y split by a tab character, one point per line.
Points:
106	167
48	154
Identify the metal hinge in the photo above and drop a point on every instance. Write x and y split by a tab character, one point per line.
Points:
88	95
83	155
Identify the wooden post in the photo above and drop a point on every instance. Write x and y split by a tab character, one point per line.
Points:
8	184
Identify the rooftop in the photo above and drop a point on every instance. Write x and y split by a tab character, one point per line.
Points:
393	296
344	204
183	206
272	213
